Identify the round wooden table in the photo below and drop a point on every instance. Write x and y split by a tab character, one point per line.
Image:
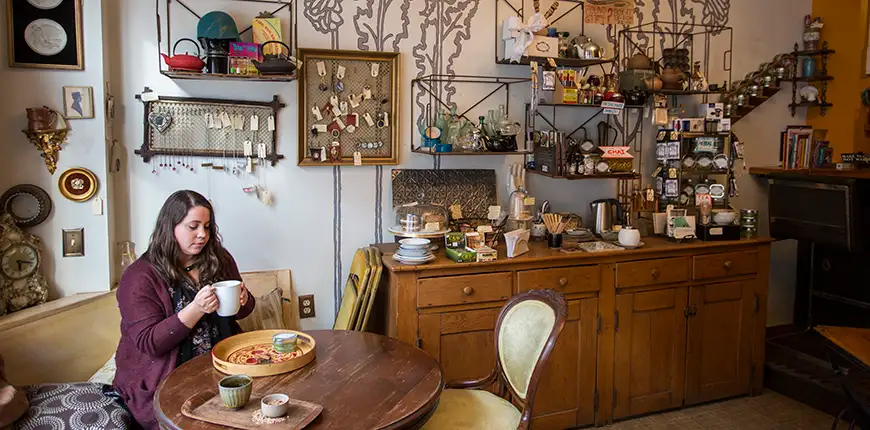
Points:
362	380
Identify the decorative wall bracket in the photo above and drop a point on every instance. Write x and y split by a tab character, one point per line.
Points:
49	143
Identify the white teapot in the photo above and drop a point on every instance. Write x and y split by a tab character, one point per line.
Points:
629	236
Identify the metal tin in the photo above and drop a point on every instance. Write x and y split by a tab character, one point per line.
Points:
285	342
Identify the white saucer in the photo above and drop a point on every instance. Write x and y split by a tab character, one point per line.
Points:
616	242
413	261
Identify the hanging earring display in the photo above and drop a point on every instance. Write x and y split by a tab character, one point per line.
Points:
321	70
355	125
339	76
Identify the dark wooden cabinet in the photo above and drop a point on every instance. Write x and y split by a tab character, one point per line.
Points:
655	328
719	355
649	374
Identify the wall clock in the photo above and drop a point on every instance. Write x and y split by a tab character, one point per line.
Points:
45	34
21	282
78	184
27	205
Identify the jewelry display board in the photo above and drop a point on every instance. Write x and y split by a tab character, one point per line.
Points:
348	105
180	126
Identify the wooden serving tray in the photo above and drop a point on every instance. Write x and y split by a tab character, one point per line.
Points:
207	406
221	352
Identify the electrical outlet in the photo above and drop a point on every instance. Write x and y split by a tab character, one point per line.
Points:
306	306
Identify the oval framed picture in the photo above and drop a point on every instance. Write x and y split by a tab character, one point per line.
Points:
78	184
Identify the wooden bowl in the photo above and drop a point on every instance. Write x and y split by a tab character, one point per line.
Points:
224	349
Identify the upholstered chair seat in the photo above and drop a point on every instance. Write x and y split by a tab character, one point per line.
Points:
525	333
473	409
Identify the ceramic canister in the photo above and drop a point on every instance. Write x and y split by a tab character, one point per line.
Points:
235	390
629	236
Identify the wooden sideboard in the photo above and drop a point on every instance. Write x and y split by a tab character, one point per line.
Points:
660	327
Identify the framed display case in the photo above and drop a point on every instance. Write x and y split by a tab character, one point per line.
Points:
348	108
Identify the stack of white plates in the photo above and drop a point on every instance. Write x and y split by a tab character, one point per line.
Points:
413	252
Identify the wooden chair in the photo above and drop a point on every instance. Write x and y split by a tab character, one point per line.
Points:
525	334
354	291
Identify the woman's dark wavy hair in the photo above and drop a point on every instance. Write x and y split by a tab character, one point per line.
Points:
163	250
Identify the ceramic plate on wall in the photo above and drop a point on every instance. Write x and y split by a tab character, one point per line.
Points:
78	184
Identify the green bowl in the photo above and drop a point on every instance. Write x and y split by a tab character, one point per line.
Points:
235	390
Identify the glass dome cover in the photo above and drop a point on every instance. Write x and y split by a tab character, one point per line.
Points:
420	218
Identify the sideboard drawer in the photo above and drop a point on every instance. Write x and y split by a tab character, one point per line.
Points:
565	280
457	290
725	264
652	272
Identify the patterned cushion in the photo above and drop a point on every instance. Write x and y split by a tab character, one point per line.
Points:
80	405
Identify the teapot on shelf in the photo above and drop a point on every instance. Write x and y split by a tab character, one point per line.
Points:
275	64
184	62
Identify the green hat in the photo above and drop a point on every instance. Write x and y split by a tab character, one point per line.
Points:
217	25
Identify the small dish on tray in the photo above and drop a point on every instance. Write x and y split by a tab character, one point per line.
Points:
640	244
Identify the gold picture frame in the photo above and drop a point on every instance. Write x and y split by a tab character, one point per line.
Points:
376	144
81	107
27	17
78	184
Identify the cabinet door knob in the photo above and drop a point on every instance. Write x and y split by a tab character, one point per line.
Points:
563	281
655	273
468	291
727	265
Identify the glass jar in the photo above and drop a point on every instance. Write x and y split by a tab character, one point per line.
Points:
127	253
748	223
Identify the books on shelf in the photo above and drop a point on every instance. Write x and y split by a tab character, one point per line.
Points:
801	147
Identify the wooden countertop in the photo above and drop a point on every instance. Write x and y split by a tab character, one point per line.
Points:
538	251
830	173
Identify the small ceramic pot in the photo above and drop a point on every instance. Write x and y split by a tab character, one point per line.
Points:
235	390
629	236
275	405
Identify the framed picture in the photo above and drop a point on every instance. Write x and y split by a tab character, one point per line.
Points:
348	108
78	102
74	242
45	34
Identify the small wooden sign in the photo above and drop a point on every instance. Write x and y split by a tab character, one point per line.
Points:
616	152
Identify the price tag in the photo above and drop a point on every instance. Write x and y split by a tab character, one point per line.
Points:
494	212
612	108
343	107
261	150
226	122
375	69
529	201
316	111
255	122
321	68
97	206
248	148
271	123
357	159
339	73
354	100
369	120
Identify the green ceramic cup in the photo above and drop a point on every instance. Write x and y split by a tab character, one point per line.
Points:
235	390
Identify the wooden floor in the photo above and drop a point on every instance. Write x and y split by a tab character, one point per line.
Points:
770	410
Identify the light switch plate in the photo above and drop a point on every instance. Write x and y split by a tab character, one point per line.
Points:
306	306
74	242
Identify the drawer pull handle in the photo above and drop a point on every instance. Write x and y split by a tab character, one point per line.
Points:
655	273
468	291
563	281
727	265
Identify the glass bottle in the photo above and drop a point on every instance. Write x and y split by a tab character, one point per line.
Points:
127	252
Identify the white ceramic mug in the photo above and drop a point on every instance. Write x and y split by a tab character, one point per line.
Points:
229	295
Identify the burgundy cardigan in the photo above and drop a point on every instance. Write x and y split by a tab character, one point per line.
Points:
151	333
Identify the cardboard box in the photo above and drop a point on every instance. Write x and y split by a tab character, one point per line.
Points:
268	29
724	125
542	46
712	111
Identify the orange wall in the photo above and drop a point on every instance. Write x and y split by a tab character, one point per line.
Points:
846	32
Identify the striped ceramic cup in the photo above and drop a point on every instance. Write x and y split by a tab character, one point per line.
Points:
235	390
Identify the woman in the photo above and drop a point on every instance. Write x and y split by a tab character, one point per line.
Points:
167	304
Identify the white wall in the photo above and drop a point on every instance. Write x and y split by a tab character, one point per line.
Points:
86	147
297	231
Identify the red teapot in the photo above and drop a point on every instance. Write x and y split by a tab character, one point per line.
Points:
184	62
